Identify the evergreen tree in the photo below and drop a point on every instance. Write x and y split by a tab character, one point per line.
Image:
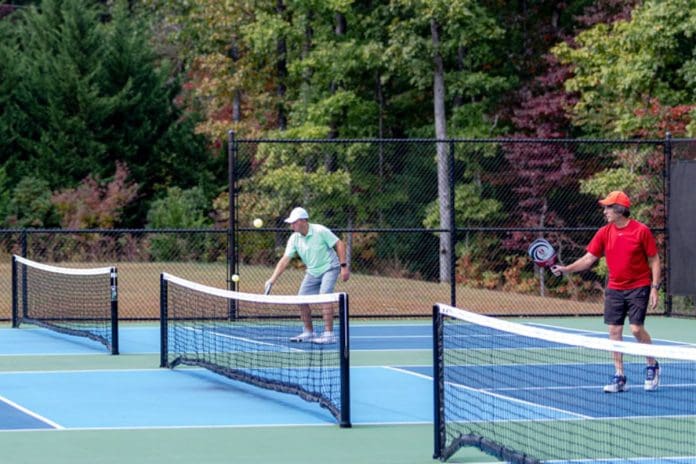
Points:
92	93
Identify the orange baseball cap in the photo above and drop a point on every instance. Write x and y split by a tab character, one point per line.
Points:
616	198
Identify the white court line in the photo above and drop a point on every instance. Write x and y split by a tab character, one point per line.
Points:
598	332
380	337
67	353
87	371
490	393
586	387
669	459
405	371
245	339
217	426
31	413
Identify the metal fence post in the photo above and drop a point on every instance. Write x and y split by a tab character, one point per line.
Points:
232	262
453	230
23	242
666	173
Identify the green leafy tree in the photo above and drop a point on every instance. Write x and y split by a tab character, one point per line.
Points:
635	78
623	70
4	194
227	82
30	205
291	175
425	38
469	208
179	209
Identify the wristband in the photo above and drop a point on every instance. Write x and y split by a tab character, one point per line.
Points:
656	287
344	264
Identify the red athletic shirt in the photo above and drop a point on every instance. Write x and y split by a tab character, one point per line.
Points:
627	251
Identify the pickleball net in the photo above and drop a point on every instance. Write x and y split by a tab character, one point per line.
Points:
246	337
74	301
528	394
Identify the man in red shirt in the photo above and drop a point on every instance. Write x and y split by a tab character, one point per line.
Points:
634	279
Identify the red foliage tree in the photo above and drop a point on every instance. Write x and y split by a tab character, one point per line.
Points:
95	204
541	111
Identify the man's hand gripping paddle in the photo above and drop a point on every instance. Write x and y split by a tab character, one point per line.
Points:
542	253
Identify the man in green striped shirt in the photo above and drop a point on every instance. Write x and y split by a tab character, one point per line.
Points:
324	255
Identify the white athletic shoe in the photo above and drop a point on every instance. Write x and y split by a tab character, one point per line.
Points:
304	337
325	338
652	377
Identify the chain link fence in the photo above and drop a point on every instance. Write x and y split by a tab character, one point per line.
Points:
385	199
140	256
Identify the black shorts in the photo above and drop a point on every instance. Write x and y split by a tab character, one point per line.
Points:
619	303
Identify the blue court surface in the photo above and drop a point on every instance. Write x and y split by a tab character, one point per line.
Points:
145	339
195	398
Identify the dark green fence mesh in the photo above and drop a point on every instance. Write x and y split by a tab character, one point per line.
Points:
389	201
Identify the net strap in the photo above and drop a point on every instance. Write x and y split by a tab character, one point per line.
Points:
64	270
253	297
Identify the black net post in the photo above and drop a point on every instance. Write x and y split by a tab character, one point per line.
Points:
344	340
438	398
15	309
24	308
114	310
164	346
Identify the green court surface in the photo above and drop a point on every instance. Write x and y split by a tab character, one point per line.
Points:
307	445
325	443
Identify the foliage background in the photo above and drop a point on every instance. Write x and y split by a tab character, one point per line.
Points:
115	113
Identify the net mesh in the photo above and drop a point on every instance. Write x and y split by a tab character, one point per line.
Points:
80	302
247	337
529	394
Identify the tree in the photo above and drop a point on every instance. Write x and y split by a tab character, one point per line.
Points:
624	70
4	194
30	204
542	110
180	209
424	39
635	78
226	50
95	204
92	93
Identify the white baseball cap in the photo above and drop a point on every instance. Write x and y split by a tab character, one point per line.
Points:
297	213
